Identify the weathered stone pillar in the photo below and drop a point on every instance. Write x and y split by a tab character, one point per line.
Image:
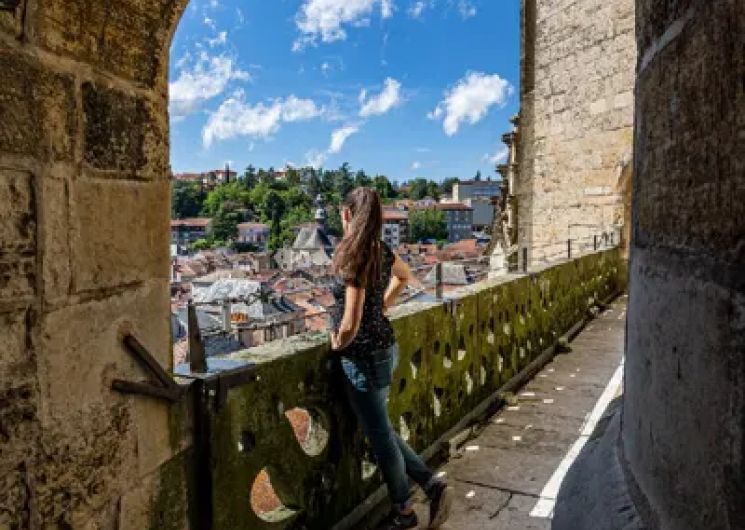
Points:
84	206
684	413
674	458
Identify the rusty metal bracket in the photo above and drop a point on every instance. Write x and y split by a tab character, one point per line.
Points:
164	387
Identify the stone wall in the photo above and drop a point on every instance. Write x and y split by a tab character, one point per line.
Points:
684	412
576	121
84	205
452	357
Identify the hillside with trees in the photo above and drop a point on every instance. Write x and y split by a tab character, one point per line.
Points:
283	203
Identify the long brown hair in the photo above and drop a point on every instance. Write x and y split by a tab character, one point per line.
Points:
358	256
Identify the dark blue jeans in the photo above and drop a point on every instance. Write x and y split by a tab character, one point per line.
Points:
367	383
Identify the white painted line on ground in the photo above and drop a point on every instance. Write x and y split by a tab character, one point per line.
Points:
545	506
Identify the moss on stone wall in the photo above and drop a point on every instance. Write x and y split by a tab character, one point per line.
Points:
169	509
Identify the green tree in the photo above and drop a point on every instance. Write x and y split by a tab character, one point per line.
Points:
427	224
249	177
419	189
293	177
384	187
225	226
232	195
201	244
315	186
275	208
187	199
362	180
343	182
333	223
327	181
446	188
297	198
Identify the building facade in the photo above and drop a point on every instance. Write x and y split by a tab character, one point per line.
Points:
476	189
185	232
459	220
253	233
209	179
395	226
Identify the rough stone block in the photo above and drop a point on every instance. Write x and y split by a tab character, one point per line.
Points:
86	460
126	38
123	133
121	233
11	22
583	90
18	408
55	238
36	109
84	352
17	235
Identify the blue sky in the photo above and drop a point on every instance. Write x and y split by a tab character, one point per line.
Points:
405	88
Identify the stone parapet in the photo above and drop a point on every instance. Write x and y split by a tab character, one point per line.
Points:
454	356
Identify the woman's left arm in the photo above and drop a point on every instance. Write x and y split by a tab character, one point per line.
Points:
354	303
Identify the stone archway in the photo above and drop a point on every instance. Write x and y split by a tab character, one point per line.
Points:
84	194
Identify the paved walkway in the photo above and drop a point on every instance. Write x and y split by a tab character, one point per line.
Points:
508	476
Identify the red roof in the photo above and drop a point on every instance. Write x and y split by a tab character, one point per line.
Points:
193	221
253	226
395	215
464	245
446	206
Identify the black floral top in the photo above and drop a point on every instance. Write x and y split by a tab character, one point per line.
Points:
376	332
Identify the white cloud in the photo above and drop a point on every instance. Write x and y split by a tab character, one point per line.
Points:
470	100
210	23
416	10
326	18
416	165
296	109
340	136
235	117
241	17
214	4
315	158
466	9
207	78
221	38
386	8
497	158
423	149
383	102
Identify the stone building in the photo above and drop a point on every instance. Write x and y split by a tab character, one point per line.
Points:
576	121
185	232
312	247
395	226
75	453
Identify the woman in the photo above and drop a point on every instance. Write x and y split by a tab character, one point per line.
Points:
369	279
